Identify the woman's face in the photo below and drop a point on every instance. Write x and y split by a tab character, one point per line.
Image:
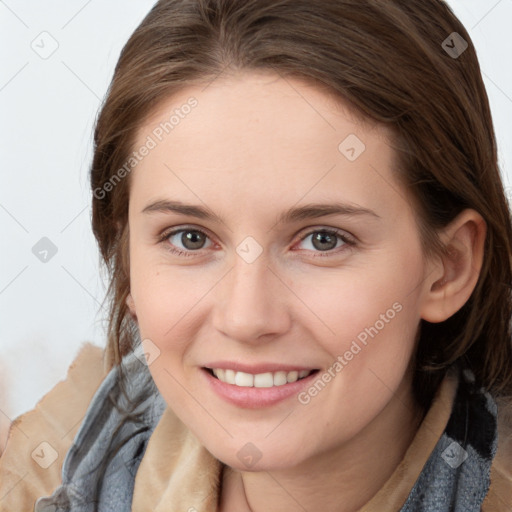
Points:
271	244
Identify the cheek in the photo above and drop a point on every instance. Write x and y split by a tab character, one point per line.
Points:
368	329
165	297
372	345
377	302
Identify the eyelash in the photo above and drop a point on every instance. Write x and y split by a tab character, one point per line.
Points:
347	240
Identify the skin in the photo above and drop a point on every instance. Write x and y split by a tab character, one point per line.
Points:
254	146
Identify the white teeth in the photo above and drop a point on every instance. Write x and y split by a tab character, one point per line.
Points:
244	379
229	376
263	380
280	378
260	380
292	376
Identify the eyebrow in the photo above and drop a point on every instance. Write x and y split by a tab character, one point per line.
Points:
294	214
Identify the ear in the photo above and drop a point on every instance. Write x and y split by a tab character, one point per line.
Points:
131	306
454	275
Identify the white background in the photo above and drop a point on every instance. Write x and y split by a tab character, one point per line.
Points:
48	107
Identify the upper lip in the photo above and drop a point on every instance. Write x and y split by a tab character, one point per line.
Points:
255	369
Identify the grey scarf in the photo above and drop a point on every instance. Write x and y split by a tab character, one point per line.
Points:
456	477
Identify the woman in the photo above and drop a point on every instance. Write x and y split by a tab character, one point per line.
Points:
309	245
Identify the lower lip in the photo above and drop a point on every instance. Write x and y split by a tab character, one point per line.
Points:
254	398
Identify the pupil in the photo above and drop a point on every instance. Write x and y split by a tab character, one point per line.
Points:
321	238
192	240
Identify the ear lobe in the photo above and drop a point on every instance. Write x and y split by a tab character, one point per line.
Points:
131	306
464	239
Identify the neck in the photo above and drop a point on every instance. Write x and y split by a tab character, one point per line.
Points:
341	480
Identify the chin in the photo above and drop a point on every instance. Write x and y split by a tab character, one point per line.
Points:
259	456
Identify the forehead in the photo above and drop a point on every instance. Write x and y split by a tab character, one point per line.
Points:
261	132
260	97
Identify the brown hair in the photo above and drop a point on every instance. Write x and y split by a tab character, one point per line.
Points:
387	59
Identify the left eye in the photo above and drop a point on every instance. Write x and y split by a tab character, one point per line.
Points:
191	239
325	240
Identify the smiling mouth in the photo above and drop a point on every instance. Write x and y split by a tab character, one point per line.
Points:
260	380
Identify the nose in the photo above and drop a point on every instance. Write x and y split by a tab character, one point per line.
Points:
251	304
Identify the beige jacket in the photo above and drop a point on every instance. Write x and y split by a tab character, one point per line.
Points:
38	441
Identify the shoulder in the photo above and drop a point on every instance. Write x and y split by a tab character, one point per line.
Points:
101	463
499	497
38	440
